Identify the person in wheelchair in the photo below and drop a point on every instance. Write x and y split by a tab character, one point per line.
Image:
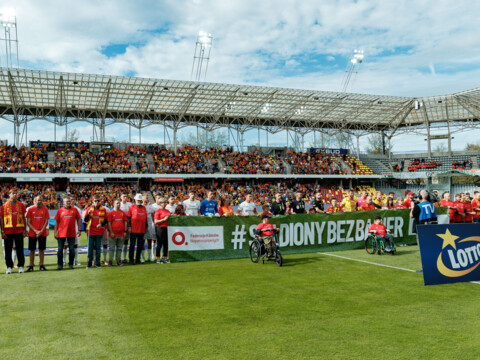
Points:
377	228
265	232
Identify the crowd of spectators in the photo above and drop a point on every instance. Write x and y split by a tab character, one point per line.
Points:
108	192
313	163
23	160
461	165
27	192
187	160
252	163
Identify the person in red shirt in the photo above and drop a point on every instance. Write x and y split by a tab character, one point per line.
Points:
450	204
265	230
137	227
334	207
468	209
368	205
476	207
460	205
12	223
117	226
400	204
377	228
37	221
409	200
65	220
161	224
96	219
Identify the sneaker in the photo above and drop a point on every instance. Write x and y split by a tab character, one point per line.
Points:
9	271
29	268
159	262
166	261
105	262
77	263
64	263
142	261
21	270
70	267
109	263
43	268
120	263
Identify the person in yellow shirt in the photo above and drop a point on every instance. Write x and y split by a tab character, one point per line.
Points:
349	204
378	201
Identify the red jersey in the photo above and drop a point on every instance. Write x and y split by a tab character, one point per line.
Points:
368	207
476	205
161	214
361	201
400	207
468	209
17	210
37	217
66	220
263	226
117	220
138	218
379	228
97	217
407	203
334	209
460	210
452	211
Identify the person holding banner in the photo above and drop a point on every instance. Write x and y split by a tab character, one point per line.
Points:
279	206
334	207
191	205
349	204
225	209
297	206
317	205
209	207
12	223
247	208
37	222
368	205
161	228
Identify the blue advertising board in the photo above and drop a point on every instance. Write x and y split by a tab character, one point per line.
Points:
328	151
450	253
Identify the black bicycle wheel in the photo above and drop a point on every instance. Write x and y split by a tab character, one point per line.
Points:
255	249
278	258
371	245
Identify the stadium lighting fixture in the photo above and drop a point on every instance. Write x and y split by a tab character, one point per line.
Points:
8	18
265	108
353	66
201	56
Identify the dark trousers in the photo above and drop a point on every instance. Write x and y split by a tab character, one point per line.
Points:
138	239
94	243
16	239
162	241
71	250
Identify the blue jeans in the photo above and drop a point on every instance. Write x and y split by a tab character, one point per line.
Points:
71	250
94	241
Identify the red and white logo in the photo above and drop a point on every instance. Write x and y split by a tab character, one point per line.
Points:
184	238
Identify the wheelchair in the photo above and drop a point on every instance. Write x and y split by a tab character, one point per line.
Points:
376	244
258	250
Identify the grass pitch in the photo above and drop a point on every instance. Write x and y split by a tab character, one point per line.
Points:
314	307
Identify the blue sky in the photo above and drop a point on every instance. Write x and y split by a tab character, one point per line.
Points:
412	48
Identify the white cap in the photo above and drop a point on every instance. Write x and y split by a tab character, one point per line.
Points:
139	197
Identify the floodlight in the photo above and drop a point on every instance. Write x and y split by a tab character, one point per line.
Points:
204	38
7	17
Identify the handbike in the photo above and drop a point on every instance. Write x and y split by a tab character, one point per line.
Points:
376	244
258	249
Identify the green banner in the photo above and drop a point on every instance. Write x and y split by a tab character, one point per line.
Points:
212	238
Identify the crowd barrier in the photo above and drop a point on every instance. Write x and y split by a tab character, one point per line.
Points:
215	238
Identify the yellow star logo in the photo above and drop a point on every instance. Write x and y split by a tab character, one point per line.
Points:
448	239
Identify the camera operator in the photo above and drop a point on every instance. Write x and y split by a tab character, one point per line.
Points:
423	212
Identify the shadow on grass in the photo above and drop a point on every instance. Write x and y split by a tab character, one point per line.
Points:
299	260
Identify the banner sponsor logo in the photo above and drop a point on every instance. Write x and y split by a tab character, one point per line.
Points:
327	151
450	253
186	238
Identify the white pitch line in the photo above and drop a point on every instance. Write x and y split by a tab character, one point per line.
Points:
372	263
367	262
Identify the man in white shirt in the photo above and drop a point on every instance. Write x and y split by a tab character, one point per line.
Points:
124	206
150	234
247	208
171	205
192	206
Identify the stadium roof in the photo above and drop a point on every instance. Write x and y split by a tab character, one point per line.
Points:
101	99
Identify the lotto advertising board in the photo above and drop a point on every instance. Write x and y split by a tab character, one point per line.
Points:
210	238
